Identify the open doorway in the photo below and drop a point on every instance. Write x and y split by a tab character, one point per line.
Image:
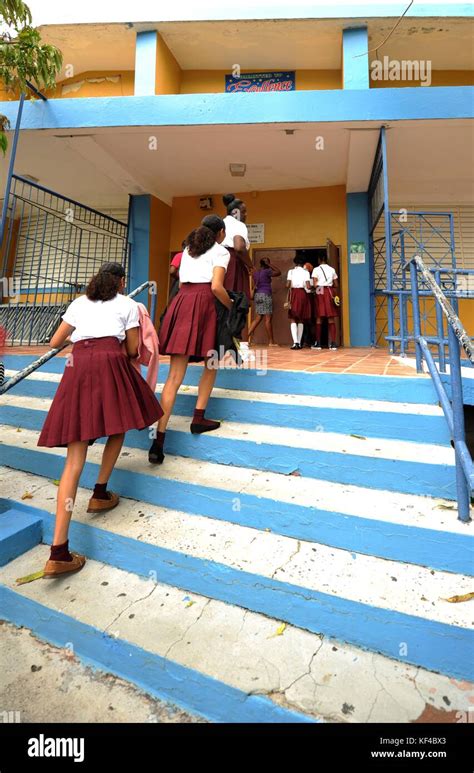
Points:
283	259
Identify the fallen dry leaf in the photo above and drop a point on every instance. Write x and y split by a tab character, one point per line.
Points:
457	599
27	495
279	631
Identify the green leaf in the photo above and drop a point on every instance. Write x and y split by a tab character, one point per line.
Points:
30	577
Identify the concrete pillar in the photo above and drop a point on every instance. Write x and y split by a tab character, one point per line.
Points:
359	272
355	60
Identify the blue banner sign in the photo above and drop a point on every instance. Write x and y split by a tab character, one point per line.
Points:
261	81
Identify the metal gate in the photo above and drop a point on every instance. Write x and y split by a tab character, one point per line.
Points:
395	237
51	247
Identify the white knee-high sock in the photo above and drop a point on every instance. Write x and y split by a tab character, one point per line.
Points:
294	332
300	331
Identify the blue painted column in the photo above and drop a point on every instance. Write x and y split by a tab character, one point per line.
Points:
145	63
359	273
139	236
355	59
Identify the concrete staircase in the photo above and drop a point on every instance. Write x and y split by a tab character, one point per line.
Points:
293	566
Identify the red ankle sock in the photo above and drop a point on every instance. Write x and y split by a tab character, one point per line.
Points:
100	491
200	421
160	439
60	552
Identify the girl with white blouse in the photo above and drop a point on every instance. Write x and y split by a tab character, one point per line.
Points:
189	328
100	394
298	282
325	280
236	240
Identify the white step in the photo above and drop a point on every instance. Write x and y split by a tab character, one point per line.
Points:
359	501
309	401
381	583
297	670
313	439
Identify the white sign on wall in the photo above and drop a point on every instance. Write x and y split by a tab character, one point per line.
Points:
256	233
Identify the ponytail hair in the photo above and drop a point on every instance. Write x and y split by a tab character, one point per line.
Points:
105	285
200	241
231	203
214	222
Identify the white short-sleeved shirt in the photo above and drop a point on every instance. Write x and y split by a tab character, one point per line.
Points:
200	269
325	275
298	277
234	227
97	319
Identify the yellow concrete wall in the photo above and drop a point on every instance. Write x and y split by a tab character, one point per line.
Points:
96	83
213	81
159	260
108	83
466	315
295	218
168	71
438	78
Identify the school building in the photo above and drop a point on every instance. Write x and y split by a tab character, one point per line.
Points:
349	134
302	563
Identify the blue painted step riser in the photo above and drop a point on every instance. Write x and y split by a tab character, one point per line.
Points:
20	530
429	644
396	389
425	547
413	477
393	426
158	676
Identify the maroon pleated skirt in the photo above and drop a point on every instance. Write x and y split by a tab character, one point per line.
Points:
237	275
300	305
324	304
190	323
100	394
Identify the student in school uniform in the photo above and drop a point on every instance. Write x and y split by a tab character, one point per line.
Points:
189	329
308	337
236	241
100	394
325	280
174	272
262	296
299	287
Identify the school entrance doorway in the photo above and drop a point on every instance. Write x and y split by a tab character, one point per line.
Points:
283	259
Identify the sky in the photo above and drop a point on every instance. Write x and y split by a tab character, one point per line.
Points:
54	12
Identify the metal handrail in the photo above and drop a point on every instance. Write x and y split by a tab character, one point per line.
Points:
7	385
454	409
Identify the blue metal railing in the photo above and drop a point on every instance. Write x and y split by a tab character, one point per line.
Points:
7	385
428	234
454	409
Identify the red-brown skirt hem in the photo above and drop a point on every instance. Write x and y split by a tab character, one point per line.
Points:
100	394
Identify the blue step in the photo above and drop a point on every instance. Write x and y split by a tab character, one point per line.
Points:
415	389
369	423
429	644
410	477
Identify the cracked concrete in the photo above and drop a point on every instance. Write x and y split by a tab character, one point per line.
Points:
246	650
45	684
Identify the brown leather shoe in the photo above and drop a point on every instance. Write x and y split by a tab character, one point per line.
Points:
57	568
102	505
